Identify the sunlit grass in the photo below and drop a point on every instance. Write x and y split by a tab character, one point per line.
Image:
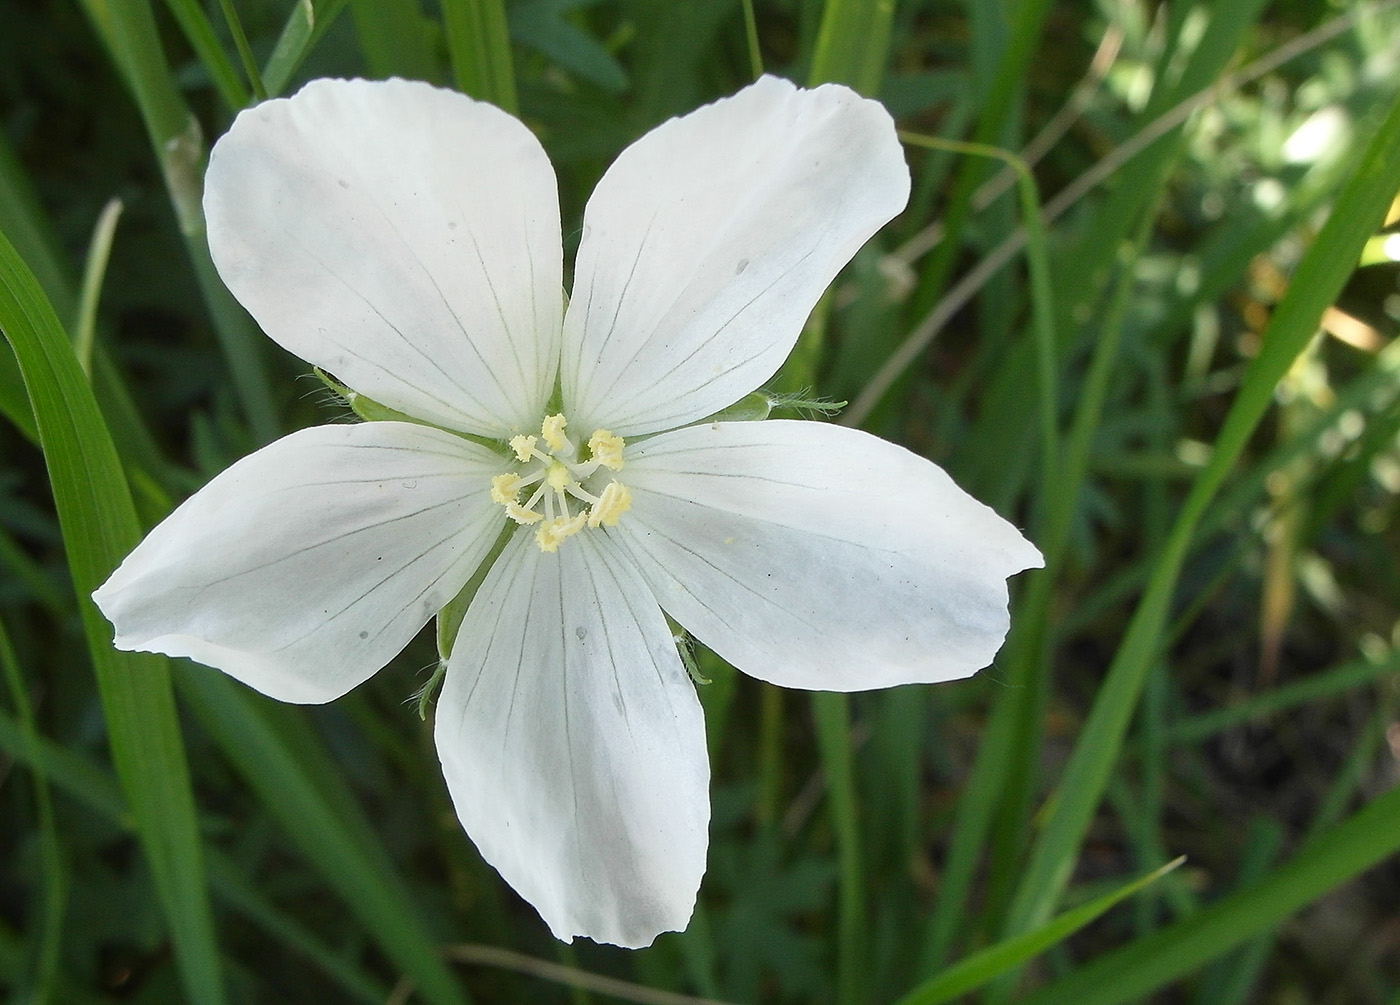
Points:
1179	379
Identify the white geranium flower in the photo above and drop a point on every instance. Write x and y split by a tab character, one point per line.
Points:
407	240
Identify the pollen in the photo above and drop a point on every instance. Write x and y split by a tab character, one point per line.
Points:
553	432
524	447
552	533
606	449
614	502
557	488
505	489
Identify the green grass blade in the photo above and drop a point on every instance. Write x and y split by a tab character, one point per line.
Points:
831	713
99	527
128	29
322	823
199	32
245	53
98	790
853	44
478	41
99	251
1138	969
1318	279
990	963
1314	687
306	23
397	39
53	881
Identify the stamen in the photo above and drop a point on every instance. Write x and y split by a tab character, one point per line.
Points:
505	489
606	449
552	478
522	515
553	432
552	533
614	502
524	447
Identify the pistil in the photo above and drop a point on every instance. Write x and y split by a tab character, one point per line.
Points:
557	473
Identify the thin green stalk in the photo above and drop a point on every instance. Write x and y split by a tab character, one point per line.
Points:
99	528
99	252
1319	277
1007	750
306	24
478	40
770	755
1314	687
129	31
53	880
97	789
853	44
245	52
1148	964
751	40
199	33
831	713
1011	71
986	965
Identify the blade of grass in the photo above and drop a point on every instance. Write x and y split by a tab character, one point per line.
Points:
1140	968
306	24
99	527
245	54
397	39
1318	279
1314	687
321	818
98	790
128	30
478	42
53	881
99	251
199	33
831	713
852	44
988	964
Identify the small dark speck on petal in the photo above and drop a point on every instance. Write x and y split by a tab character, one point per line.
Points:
581	633
451	224
743	264
364	635
342	183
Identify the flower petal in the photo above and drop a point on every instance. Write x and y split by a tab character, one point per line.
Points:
305	567
574	746
402	237
708	243
819	557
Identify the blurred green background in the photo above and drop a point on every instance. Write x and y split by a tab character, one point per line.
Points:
1183	383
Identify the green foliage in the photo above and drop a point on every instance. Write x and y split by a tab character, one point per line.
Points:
1161	354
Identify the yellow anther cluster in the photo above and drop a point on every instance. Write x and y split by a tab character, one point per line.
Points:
559	501
524	447
505	489
614	502
550	534
606	449
553	432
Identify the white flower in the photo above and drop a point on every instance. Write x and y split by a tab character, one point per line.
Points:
407	240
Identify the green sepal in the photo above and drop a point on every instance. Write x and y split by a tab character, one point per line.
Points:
750	408
366	408
685	648
761	404
372	411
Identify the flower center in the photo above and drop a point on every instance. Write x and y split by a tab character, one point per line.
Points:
567	492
